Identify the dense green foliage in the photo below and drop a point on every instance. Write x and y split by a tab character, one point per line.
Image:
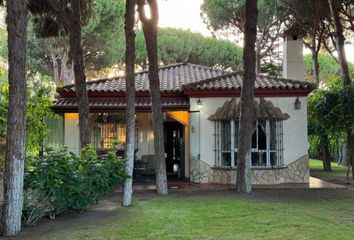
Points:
229	14
223	14
39	100
227	17
102	39
40	95
329	105
328	115
103	45
329	68
177	45
68	182
3	45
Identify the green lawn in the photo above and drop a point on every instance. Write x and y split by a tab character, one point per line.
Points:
316	167
265	214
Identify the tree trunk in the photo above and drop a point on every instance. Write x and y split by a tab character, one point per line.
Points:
315	67
339	38
247	97
55	68
70	75
150	34
66	74
80	77
326	154
130	98
16	121
350	149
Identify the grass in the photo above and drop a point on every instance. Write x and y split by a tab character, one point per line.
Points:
316	167
267	214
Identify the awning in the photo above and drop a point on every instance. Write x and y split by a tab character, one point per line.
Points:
103	104
262	110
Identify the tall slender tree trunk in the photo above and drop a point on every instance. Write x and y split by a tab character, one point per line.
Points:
16	120
350	147
315	66
55	68
67	75
326	153
130	98
79	71
150	34
340	40
247	97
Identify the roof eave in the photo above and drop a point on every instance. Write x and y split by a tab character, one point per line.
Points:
258	93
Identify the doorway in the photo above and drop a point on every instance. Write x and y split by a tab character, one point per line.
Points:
174	149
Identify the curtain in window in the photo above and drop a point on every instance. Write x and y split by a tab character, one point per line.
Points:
267	137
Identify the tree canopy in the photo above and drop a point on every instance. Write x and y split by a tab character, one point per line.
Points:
227	16
102	39
328	68
177	45
174	46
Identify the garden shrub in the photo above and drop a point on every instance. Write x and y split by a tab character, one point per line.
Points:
69	182
35	206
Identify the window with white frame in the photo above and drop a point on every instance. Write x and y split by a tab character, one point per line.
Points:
267	143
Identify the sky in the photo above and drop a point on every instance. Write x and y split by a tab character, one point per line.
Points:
185	14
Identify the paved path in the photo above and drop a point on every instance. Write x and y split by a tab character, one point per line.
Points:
315	183
318	183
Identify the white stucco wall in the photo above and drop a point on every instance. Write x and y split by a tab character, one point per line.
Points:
294	129
295	141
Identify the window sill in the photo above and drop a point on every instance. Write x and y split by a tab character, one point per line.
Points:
253	168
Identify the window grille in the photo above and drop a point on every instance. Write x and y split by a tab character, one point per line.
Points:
109	131
267	143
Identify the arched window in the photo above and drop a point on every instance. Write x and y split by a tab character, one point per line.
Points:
267	136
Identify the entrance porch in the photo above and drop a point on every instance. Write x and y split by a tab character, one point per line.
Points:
108	132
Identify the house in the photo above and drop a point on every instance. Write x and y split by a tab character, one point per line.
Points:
201	109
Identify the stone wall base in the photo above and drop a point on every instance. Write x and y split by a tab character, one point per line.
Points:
296	172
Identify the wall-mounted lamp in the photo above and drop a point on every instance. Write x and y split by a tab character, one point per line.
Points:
297	104
199	104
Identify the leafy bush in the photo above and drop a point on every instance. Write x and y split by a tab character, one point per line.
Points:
35	206
40	95
330	114
69	182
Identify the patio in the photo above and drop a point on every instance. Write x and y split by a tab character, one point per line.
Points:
315	183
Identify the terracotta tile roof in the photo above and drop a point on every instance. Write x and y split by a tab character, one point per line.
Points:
262	110
120	103
172	78
233	81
